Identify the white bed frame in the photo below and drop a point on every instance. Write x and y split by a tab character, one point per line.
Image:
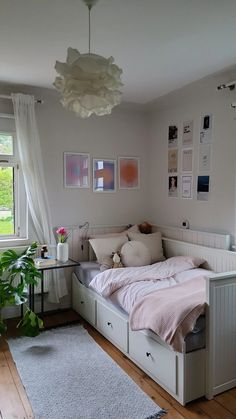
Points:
186	376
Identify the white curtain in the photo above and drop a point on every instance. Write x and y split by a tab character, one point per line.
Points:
32	167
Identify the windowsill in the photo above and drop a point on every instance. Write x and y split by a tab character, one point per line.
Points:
14	242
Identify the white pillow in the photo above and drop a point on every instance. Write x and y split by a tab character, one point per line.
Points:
153	243
135	253
105	246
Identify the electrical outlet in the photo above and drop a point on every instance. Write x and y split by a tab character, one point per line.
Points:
185	224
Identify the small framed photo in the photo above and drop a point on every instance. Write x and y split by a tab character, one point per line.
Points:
76	170
104	175
129	172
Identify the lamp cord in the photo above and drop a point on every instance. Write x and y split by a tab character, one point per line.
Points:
89	9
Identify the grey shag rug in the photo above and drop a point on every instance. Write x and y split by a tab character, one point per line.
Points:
67	375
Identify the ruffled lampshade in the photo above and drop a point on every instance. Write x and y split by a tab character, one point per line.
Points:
88	83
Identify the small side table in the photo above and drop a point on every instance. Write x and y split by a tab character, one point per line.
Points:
69	264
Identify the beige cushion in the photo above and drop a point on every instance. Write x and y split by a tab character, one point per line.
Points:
153	242
104	246
135	253
133	229
106	263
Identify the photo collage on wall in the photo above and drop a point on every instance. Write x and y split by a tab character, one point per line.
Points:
205	153
173	161
181	160
104	172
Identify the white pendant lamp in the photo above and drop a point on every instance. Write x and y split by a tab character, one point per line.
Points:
88	83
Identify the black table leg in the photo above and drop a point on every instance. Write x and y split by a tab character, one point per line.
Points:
42	292
22	306
32	296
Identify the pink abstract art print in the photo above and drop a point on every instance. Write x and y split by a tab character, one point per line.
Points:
76	170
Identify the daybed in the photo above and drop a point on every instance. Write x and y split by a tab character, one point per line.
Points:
205	369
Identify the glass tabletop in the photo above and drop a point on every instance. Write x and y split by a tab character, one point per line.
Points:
69	264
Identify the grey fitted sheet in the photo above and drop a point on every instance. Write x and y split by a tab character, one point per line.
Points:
86	271
194	340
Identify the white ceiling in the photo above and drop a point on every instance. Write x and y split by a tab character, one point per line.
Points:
161	45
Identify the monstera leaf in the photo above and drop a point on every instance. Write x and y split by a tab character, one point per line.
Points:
31	324
16	273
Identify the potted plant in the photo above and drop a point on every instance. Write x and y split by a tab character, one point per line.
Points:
17	272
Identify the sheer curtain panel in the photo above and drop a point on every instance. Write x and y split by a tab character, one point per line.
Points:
32	167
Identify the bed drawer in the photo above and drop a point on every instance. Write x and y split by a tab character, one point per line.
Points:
155	358
83	303
113	326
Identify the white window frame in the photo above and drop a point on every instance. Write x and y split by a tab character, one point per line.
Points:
20	200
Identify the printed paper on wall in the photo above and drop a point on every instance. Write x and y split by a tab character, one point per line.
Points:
173	186
187	160
187	187
203	187
173	136
206	129
187	139
172	161
205	158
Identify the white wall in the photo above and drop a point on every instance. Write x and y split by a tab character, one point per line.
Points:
129	131
219	213
123	133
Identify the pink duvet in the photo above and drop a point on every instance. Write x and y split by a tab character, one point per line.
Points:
109	281
171	312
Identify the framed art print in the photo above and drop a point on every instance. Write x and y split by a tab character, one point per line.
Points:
76	170
129	172
104	175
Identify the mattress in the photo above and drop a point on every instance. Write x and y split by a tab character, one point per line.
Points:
193	341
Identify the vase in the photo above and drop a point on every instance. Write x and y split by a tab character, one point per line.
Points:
62	252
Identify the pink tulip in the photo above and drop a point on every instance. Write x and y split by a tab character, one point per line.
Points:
62	235
62	231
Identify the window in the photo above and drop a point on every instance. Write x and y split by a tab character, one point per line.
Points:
13	206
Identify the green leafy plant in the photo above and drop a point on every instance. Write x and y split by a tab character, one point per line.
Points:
17	272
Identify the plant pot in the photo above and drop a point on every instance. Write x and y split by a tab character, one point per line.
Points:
62	252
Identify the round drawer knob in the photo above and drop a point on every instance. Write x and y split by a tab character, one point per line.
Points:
148	354
108	323
81	302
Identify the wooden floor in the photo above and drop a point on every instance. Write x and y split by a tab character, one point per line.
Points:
14	402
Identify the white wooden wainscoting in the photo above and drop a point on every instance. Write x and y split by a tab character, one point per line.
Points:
203	238
221	336
79	248
217	260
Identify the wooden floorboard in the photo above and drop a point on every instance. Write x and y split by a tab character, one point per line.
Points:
14	403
